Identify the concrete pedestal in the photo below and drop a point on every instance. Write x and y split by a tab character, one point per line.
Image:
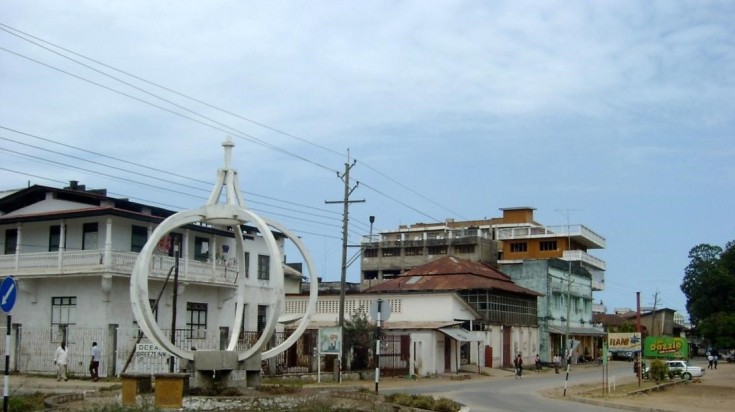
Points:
171	389
134	384
222	369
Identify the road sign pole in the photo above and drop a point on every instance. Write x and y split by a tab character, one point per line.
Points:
377	348
6	378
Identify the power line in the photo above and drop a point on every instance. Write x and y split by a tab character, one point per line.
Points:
180	208
225	129
398	201
155	169
237	133
432	201
13	31
168	89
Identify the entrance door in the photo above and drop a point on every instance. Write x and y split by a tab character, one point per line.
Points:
507	357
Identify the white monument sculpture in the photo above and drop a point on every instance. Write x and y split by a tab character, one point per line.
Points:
230	214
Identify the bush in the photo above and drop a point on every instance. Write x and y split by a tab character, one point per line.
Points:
425	402
659	371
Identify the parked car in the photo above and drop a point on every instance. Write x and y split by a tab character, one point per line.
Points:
623	355
678	368
730	358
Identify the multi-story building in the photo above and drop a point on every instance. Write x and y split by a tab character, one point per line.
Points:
72	252
551	260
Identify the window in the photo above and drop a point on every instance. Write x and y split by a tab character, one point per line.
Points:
262	312
519	247
437	250
63	310
89	236
54	238
370	253
11	241
201	249
196	320
464	249
391	251
414	251
547	245
264	263
139	236
247	264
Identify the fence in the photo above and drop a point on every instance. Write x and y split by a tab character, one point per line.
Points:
32	350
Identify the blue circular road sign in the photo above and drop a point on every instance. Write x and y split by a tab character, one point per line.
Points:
8	291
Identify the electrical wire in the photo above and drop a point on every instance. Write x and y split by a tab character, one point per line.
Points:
8	29
225	129
238	133
13	31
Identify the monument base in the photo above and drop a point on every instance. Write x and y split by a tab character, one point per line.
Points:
222	369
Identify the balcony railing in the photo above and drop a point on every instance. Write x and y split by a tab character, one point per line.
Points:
93	261
579	232
584	257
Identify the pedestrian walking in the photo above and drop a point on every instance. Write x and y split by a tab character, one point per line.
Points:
538	363
61	359
710	361
518	363
557	362
714	361
94	363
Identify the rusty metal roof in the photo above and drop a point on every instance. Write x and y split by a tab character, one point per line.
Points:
451	274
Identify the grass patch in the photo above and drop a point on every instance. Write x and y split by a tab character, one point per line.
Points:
26	403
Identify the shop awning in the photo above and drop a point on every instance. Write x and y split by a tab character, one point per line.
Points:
462	335
577	331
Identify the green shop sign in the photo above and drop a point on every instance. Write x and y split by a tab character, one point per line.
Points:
665	347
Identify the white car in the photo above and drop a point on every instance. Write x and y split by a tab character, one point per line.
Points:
679	368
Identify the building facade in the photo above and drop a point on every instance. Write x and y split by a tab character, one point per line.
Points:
553	261
72	251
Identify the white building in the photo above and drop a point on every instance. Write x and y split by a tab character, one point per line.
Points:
71	252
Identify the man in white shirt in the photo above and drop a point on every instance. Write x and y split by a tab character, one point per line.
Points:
94	363
61	358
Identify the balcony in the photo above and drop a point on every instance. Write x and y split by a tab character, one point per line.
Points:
581	256
579	233
52	264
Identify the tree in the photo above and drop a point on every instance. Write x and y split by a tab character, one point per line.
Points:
709	286
359	335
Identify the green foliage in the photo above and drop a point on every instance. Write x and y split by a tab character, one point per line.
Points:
719	328
425	402
709	286
359	334
26	403
659	371
626	327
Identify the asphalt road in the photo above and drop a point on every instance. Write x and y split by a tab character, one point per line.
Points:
513	395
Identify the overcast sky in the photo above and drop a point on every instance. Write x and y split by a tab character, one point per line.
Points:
618	115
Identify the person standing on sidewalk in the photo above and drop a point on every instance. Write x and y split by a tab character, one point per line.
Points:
61	359
94	363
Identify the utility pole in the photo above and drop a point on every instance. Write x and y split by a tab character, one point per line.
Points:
345	221
653	321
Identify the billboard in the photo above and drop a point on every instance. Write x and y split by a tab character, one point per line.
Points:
629	341
330	340
665	347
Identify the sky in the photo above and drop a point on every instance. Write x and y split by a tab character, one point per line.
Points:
618	115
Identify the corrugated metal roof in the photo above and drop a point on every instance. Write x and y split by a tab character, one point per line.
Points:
450	273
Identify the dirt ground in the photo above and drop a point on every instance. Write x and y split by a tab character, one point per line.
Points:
712	393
